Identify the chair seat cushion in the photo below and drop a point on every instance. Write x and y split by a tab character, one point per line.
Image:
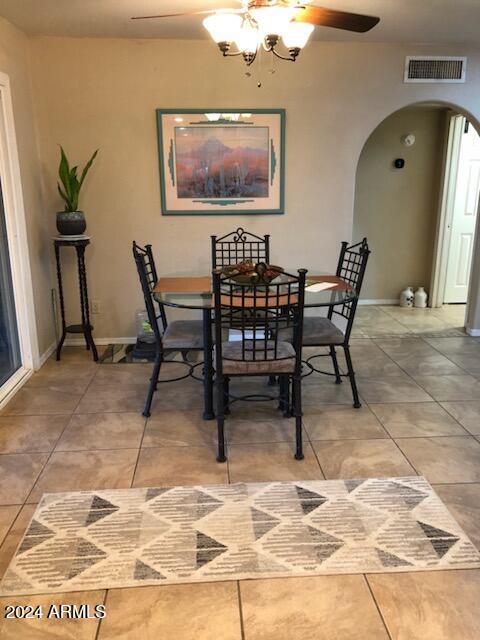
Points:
320	331
316	332
233	363
183	334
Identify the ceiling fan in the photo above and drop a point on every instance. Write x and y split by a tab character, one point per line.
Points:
263	22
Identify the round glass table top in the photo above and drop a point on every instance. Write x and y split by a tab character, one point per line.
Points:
195	292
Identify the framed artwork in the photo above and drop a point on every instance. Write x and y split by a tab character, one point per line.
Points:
221	162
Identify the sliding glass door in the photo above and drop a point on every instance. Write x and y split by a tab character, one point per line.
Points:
18	337
10	357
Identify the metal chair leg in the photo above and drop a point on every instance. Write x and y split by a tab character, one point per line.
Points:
287	412
333	354
153	386
351	374
221	457
297	412
293	400
284	396
280	394
226	396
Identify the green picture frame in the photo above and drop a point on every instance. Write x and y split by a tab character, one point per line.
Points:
221	161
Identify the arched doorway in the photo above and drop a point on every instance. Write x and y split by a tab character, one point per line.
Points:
416	171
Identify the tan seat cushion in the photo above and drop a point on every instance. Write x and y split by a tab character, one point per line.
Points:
233	363
316	332
183	334
320	331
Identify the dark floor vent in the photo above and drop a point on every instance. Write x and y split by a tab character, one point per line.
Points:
435	69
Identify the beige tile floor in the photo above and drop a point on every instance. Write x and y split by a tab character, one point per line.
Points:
77	425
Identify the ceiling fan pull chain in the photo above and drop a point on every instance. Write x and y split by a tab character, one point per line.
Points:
272	69
259	81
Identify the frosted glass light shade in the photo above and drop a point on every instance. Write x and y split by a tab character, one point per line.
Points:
296	34
223	27
248	38
272	20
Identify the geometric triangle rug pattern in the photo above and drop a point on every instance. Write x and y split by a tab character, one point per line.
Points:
104	539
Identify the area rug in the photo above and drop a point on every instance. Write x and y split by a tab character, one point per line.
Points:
168	535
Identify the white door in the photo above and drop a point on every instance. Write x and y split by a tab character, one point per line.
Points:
463	221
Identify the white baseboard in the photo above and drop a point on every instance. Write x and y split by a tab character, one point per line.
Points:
389	302
15	384
80	342
46	355
475	333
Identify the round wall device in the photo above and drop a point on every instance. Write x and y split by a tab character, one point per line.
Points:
408	140
399	163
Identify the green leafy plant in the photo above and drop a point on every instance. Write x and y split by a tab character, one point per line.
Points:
69	190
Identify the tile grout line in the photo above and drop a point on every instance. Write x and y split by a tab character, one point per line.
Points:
57	441
449	358
240	610
9	530
406	372
437	402
138	454
97	634
227	462
387	437
387	433
377	606
446	325
443	402
406	458
409	376
465	372
318	461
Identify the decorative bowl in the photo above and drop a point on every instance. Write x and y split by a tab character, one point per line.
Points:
249	272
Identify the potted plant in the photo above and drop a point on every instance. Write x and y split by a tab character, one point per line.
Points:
71	221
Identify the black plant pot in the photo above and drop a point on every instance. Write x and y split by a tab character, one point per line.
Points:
71	223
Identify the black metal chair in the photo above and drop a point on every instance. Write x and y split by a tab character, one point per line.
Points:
178	336
322	332
238	246
258	314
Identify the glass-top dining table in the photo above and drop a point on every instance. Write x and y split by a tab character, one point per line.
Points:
195	292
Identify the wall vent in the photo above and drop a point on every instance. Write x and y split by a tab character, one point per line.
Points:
435	69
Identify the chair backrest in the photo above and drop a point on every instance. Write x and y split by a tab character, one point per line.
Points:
352	263
258	313
148	278
238	246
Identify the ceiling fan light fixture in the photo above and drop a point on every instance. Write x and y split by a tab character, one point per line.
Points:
296	34
223	27
272	20
264	22
248	38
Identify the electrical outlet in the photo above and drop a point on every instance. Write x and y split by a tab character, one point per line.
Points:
95	306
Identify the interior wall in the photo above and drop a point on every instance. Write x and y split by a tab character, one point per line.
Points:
103	93
397	209
14	61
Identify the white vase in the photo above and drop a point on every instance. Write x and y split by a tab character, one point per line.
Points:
421	297
407	297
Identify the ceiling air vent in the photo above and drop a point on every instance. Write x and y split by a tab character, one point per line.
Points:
435	69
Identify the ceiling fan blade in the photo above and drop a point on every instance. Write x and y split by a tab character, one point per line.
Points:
191	13
336	19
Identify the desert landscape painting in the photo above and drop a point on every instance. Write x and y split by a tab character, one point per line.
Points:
222	161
